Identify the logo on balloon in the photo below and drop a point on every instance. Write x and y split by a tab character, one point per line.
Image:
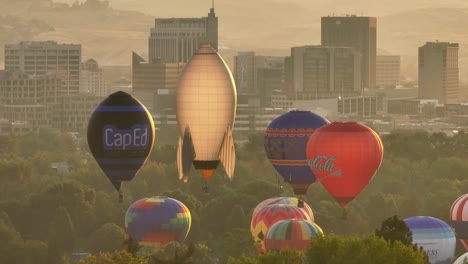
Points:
324	163
134	138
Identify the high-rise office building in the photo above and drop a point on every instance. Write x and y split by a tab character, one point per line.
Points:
175	40
92	79
388	71
359	33
323	72
28	98
47	57
151	79
438	72
246	71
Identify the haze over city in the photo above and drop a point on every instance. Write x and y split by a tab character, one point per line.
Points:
233	132
268	27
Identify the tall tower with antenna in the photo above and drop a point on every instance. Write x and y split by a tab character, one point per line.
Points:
212	27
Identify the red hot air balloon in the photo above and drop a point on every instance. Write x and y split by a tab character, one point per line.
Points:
459	218
344	156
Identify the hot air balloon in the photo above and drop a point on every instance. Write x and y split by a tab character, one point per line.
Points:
459	219
271	214
344	156
285	142
462	259
120	137
206	100
435	236
157	221
293	234
283	200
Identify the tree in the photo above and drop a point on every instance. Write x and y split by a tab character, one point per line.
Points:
118	257
366	250
394	229
180	255
273	257
107	238
132	246
61	235
235	243
236	218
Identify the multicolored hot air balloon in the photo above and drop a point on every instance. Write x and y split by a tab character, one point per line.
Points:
344	156
271	214
459	219
157	221
121	136
283	200
462	259
206	100
285	142
435	236
293	234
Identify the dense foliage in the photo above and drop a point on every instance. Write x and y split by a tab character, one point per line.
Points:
46	214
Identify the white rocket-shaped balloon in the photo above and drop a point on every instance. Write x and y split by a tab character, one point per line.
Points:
206	100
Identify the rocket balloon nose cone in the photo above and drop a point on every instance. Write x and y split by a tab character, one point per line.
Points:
205	49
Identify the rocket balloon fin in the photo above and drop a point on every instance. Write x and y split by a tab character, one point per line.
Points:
185	154
227	155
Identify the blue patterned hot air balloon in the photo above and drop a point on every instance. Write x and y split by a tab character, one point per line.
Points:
435	236
157	221
285	141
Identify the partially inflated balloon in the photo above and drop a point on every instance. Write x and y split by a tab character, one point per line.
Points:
271	214
120	136
462	259
157	221
285	141
344	156
283	200
293	234
435	236
459	218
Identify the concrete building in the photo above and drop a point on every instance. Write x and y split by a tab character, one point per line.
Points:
323	72
414	107
15	128
72	112
359	33
152	79
257	76
47	57
28	98
359	106
122	84
438	72
388	71
92	79
175	40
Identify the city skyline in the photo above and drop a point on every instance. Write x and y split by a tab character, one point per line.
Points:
422	24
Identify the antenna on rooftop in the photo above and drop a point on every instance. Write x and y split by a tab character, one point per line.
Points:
212	4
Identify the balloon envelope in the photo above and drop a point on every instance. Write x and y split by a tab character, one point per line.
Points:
459	219
344	156
293	234
155	222
461	259
283	200
271	214
120	136
285	141
435	236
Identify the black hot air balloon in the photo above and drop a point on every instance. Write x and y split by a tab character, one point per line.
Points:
120	137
